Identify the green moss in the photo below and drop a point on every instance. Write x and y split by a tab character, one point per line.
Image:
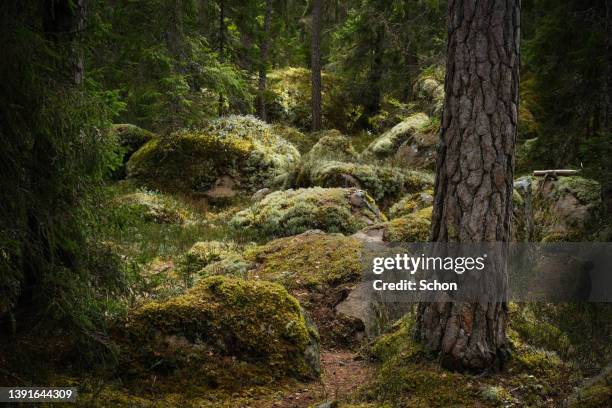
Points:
383	183
205	253
389	142
223	333
409	228
567	209
131	137
240	151
585	190
291	212
310	260
537	332
331	145
155	207
300	140
315	267
429	90
289	99
596	393
411	203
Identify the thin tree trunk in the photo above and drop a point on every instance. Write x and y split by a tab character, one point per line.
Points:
263	62
315	65
221	45
608	23
473	191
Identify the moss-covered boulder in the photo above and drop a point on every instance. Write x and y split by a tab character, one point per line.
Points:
197	262
130	138
411	203
412	227
559	209
155	207
331	145
383	183
235	153
412	141
303	142
289	99
225	332
428	90
594	393
291	212
319	269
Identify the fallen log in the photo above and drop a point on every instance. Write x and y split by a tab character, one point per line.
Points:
555	173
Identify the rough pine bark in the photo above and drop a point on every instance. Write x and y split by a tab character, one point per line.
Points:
315	65
263	62
473	191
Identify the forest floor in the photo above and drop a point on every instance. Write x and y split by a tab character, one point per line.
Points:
343	372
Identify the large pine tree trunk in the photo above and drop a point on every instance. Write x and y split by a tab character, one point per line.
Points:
473	192
263	62
315	65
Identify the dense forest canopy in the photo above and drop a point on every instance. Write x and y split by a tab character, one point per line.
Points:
166	151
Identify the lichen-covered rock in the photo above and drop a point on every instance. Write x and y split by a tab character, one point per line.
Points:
225	332
563	209
415	130
319	269
289	100
331	145
235	153
383	183
411	204
155	207
291	212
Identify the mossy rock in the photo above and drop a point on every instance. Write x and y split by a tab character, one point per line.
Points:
131	137
331	145
300	140
428	90
411	203
413	227
291	212
384	183
563	209
206	253
595	393
235	153
390	143
318	269
224	332
155	207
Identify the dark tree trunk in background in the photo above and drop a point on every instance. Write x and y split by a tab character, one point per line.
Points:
473	191
373	93
608	22
263	62
64	22
221	45
315	65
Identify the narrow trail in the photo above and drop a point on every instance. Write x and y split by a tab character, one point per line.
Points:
341	375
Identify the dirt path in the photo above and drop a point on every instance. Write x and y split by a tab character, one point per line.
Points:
341	376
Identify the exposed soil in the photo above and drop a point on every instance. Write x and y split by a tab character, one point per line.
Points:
342	375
